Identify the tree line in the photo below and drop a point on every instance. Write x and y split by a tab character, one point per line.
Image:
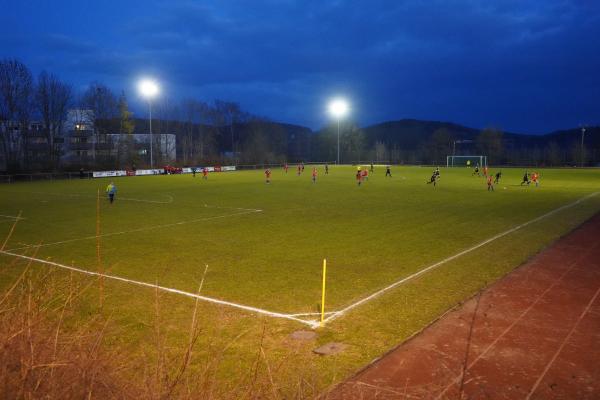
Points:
216	131
221	132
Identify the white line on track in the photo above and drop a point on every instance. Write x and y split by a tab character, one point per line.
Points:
146	228
255	310
446	260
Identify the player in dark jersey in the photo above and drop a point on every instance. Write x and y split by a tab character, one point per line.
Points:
498	176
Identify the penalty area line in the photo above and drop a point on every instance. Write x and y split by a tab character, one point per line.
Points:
378	293
147	228
13	217
207	299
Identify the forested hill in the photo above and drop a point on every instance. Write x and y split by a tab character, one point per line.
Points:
430	141
412	133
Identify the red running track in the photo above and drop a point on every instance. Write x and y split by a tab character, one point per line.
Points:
534	334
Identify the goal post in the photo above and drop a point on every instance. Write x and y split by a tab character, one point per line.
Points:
466	161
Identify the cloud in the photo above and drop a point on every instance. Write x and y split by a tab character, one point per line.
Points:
470	61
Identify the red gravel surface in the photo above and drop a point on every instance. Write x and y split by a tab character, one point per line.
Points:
535	334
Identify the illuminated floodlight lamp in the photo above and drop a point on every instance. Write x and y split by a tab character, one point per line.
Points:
338	108
148	88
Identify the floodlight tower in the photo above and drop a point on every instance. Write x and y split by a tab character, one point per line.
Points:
582	150
338	108
149	89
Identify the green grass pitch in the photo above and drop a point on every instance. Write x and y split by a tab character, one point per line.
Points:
165	229
264	244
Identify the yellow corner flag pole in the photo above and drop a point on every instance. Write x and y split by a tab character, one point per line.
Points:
323	294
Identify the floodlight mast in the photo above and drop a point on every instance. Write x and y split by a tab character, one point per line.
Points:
149	89
582	150
338	108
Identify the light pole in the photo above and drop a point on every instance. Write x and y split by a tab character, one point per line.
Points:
338	108
149	89
582	152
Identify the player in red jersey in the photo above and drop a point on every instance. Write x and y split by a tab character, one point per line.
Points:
285	167
358	177
490	183
204	173
314	175
535	179
268	175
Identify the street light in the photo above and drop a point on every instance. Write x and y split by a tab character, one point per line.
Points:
338	108
149	89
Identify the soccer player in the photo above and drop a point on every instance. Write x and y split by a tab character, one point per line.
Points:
302	166
268	175
490	183
365	174
388	172
525	179
358	177
314	175
111	190
285	167
498	176
205	173
485	171
535	179
372	168
193	172
468	163
434	177
326	169
299	168
476	171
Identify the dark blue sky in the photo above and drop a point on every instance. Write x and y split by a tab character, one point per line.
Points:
525	66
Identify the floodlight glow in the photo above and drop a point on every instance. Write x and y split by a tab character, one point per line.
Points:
338	108
148	88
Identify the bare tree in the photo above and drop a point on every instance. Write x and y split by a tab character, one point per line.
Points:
380	151
228	114
53	98
103	102
489	143
16	86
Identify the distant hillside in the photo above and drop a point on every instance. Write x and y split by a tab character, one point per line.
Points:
419	141
412	133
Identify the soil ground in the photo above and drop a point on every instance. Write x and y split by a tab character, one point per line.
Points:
535	334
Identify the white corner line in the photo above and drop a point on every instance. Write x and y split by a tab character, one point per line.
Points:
312	324
378	293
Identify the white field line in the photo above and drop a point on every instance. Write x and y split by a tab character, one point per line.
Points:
261	311
378	293
169	201
13	217
311	313
146	228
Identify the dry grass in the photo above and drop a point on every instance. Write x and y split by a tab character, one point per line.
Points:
50	349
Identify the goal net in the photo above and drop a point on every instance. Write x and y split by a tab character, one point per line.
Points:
466	161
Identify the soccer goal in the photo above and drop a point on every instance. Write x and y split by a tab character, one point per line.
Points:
466	161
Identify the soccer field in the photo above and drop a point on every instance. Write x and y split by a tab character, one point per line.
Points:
264	244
